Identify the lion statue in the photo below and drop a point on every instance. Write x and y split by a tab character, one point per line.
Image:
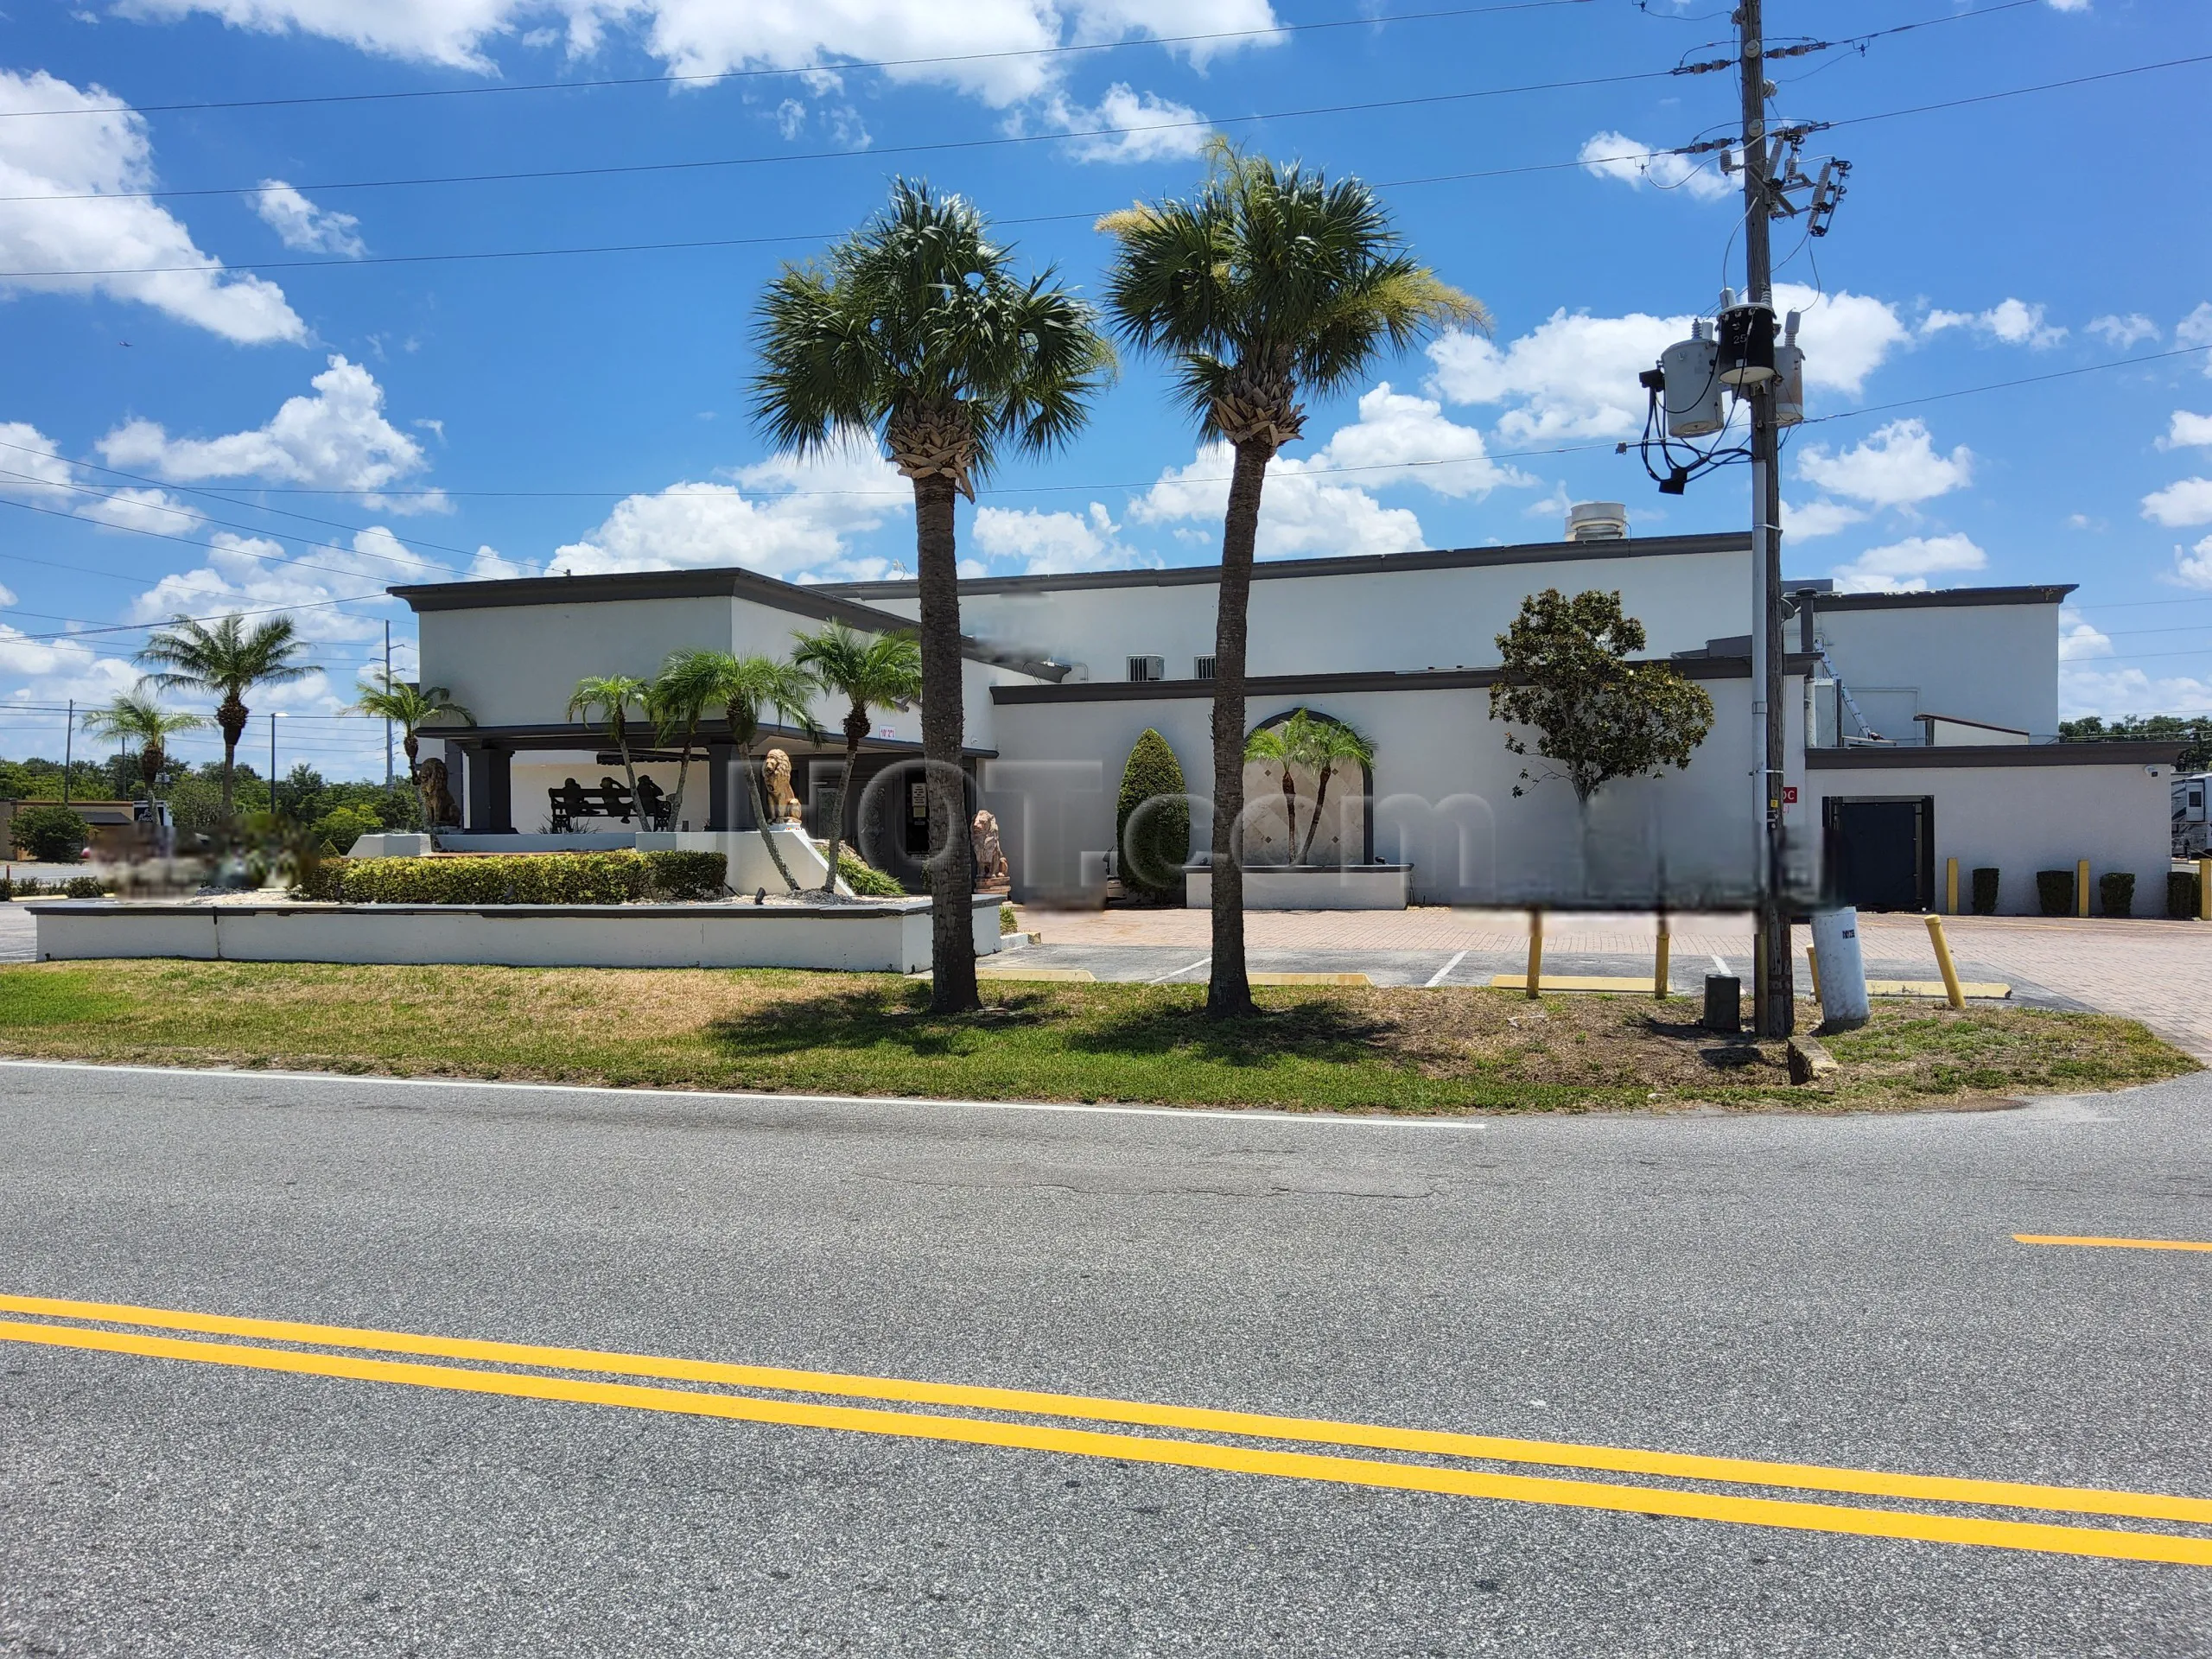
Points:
440	810
783	805
990	853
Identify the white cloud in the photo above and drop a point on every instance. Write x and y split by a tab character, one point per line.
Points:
791	519
1298	514
1399	439
240	574
2010	323
2196	329
1151	128
2120	333
1847	336
2078	638
1895	466
2188	502
32	470
1054	543
2188	431
31	467
338	439
1905	567
2193	565
1616	155
94	156
2114	691
1802	523
300	224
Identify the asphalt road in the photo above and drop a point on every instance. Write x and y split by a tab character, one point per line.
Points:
1841	1291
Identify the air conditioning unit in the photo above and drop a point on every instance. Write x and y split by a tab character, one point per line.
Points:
1202	668
1148	667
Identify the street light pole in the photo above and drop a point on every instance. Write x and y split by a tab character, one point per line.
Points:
387	719
272	763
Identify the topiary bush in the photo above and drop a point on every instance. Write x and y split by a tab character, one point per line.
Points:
51	834
685	877
2116	893
2055	892
1985	891
865	879
1152	819
2181	895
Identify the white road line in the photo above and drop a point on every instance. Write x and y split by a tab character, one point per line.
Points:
1179	972
752	1098
1444	972
1720	965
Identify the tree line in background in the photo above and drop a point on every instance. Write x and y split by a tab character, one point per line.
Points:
2194	731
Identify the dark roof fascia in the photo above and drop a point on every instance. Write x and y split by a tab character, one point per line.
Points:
557	736
824	603
1908	756
1319	685
1366	564
1942	598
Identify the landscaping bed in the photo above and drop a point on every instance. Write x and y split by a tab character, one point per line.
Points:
1417	1051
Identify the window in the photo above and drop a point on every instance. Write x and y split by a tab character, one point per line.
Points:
1202	668
1148	667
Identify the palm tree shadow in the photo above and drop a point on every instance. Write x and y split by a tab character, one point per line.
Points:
1318	1030
892	1018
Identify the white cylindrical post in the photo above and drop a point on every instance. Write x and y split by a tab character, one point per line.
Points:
1843	968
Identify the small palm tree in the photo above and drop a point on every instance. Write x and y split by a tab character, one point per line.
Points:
1272	283
868	672
915	331
137	718
677	700
612	697
749	689
410	708
225	662
1271	745
1325	746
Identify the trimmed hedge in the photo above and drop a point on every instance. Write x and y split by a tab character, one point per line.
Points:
2116	893
1154	839
2055	892
1985	891
865	879
2181	895
618	878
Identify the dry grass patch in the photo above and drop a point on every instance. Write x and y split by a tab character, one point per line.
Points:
1455	1049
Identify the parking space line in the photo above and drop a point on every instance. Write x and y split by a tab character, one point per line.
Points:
1179	972
2113	1244
1444	972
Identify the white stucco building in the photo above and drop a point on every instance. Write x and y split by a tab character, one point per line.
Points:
1922	726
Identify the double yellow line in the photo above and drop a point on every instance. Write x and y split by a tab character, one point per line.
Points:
61	1323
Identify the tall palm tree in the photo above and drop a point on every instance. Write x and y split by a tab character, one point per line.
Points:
749	689
410	708
677	700
868	672
612	697
917	332
225	662
137	718
1271	283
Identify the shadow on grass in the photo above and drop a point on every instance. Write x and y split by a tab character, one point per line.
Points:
1318	1030
874	1016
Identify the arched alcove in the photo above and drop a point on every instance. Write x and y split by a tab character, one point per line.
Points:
1347	831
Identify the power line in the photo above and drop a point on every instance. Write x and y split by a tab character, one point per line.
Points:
713	77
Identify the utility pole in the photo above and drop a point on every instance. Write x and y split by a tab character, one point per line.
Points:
1773	993
272	763
69	746
387	719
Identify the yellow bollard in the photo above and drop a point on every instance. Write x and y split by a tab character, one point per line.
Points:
2204	889
1813	969
1535	953
1956	997
2081	888
1659	967
1950	887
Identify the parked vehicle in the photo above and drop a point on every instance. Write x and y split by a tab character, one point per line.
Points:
2189	826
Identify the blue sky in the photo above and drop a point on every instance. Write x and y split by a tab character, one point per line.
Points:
284	352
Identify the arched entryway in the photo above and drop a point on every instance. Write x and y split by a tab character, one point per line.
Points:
1346	831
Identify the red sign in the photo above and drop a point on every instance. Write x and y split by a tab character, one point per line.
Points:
1790	794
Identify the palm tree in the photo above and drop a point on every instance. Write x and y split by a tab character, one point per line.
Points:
676	700
1272	282
225	662
868	672
916	332
410	708
1326	745
612	696
748	689
138	718
1271	744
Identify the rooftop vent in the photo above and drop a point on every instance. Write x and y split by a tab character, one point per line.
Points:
1596	521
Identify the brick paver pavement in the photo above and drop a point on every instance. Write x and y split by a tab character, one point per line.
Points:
2159	972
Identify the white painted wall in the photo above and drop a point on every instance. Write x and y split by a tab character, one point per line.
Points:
1993	663
2025	818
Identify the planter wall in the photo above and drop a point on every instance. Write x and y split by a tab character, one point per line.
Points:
1355	886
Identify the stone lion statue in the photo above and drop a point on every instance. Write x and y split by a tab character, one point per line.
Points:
439	807
783	805
990	853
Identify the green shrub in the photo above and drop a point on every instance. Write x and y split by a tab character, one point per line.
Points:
2116	893
1007	919
323	885
683	877
1985	891
865	881
340	827
1152	819
2055	892
83	886
51	834
2181	895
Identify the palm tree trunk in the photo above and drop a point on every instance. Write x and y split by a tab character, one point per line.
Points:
760	822
855	729
231	716
1320	800
1289	814
952	937
1228	991
682	771
622	736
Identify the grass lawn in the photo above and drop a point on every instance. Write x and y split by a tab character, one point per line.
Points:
1401	1050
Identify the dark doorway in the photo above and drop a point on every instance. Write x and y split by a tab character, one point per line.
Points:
918	816
1881	853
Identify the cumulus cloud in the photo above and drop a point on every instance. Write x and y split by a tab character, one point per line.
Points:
2193	565
1054	543
1895	466
1905	567
2010	323
2196	329
241	575
1616	155
2188	431
336	439
1297	513
1802	523
1144	127
300	224
1399	439
94	156
31	467
2083	689
2078	638
2120	333
2188	502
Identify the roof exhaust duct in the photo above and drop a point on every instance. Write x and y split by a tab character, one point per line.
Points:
1596	521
